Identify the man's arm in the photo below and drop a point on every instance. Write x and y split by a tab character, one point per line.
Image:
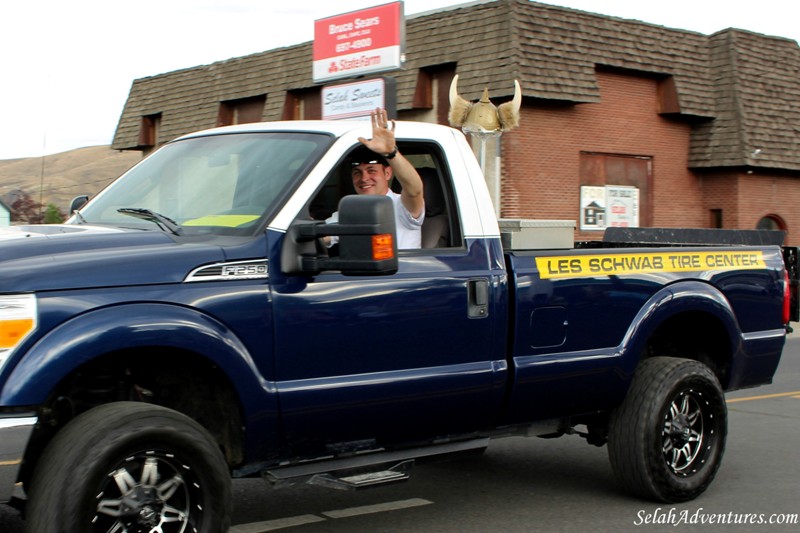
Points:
383	142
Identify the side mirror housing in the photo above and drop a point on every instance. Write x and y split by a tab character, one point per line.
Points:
77	203
367	240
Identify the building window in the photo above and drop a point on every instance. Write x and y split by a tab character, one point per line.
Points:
148	131
241	111
716	218
423	93
433	90
303	105
292	107
667	94
771	222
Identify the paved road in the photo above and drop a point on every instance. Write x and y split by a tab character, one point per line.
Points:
522	485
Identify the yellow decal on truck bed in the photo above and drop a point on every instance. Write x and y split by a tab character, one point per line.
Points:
573	266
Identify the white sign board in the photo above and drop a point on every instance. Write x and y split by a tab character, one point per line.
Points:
623	207
353	99
612	205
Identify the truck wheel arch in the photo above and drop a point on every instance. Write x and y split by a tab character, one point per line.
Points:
108	350
97	333
689	320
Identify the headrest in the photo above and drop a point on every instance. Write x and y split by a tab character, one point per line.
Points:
432	191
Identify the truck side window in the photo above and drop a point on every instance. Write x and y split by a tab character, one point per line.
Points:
440	228
436	227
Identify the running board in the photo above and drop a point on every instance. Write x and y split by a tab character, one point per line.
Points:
399	472
366	469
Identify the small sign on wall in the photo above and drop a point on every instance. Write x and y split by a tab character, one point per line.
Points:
358	99
609	206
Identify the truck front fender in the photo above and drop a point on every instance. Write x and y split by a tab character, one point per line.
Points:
124	327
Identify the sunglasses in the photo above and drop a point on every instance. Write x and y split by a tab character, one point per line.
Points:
366	162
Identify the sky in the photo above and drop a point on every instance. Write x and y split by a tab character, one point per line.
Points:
67	67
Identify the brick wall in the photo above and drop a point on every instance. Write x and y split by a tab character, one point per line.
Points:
541	174
721	191
763	195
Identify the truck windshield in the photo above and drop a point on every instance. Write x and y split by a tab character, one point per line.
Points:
218	185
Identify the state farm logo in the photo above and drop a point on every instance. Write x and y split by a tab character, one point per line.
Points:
355	63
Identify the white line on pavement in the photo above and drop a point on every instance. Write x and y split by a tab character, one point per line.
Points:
293	521
379	508
272	525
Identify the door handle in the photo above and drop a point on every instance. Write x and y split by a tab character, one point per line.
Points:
478	298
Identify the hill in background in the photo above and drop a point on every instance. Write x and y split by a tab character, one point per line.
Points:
58	178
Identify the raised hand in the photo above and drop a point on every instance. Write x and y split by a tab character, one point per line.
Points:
382	141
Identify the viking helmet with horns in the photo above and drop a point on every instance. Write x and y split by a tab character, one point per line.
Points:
483	117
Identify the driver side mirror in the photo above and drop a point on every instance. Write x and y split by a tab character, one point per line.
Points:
77	203
367	240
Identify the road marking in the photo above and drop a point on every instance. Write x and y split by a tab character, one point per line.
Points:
379	508
280	523
795	394
294	521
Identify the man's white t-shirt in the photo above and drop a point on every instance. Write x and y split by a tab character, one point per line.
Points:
409	229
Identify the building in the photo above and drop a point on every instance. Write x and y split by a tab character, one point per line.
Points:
623	122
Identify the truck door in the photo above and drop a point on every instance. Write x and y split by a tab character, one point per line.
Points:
365	362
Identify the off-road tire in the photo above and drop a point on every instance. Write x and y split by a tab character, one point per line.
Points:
667	438
153	466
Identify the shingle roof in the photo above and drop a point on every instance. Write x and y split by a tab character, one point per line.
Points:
742	88
757	103
559	49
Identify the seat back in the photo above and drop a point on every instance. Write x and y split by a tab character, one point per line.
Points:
436	227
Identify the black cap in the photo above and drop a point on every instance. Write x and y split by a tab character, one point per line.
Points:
364	155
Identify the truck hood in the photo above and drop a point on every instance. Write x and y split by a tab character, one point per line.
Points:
58	257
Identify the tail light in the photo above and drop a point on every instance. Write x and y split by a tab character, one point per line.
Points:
787	297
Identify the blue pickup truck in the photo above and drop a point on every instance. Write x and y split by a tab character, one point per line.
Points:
186	327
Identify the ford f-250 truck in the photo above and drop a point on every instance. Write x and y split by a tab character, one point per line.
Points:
186	327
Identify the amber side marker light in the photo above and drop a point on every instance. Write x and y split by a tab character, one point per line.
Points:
17	321
13	331
382	247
